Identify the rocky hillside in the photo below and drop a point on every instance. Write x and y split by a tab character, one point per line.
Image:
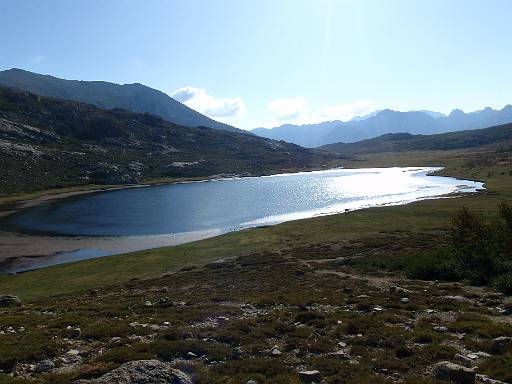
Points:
132	97
48	142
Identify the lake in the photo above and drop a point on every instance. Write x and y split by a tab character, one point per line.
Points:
232	204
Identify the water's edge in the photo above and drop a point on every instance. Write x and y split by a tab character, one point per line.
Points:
115	245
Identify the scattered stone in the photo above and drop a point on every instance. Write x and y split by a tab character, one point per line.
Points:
191	355
222	319
501	344
465	361
394	289
457	298
276	351
142	372
44	366
487	380
9	301
440	329
446	370
404	300
342	355
73	333
310	376
252	382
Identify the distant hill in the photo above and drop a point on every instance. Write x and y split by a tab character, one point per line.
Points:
132	97
47	143
499	136
386	121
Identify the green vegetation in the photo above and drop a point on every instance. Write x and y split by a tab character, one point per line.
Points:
479	252
328	293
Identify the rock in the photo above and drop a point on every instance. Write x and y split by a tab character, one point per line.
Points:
487	380
276	351
252	382
342	355
310	376
191	355
73	333
501	344
446	370
9	301
73	353
404	300
394	289
44	366
440	329
464	360
142	372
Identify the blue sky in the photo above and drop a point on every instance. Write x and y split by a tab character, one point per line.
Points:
267	62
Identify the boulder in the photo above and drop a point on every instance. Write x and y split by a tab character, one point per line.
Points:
465	361
142	372
446	370
44	366
308	377
501	344
9	301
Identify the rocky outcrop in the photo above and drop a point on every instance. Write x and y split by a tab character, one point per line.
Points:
142	372
454	373
501	345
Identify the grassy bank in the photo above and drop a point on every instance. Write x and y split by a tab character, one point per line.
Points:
427	216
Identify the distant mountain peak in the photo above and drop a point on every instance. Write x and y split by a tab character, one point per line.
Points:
388	121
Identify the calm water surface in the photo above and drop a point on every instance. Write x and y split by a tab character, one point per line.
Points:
232	204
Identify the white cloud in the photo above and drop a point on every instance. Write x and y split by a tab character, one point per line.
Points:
288	108
199	100
295	110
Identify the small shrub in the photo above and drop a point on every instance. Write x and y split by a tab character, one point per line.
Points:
503	283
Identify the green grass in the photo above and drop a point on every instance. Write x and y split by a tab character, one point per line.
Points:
421	217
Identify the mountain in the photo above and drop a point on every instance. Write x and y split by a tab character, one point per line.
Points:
499	137
48	143
132	97
386	121
434	114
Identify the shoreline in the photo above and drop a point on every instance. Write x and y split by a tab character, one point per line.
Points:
18	247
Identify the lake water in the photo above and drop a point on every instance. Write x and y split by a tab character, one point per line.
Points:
232	204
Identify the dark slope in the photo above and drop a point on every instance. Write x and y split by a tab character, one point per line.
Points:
132	97
499	136
47	142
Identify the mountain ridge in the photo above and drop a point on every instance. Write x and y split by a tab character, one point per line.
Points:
134	97
386	121
497	136
50	143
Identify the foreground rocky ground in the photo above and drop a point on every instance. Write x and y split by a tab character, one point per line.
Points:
309	314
